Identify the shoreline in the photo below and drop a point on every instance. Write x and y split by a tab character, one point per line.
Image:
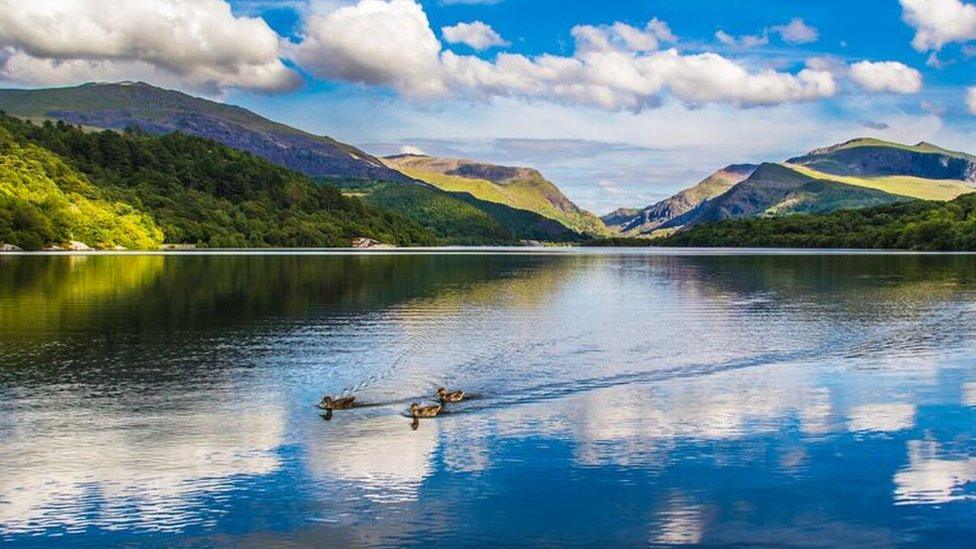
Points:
492	250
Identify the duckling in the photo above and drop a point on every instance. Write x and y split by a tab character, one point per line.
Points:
453	396
416	410
329	403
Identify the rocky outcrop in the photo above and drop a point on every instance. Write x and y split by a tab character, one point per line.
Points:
370	243
4	247
72	246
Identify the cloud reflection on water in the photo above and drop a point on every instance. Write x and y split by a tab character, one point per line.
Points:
931	477
127	469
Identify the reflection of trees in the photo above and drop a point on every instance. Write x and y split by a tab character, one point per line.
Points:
43	295
189	291
863	280
95	305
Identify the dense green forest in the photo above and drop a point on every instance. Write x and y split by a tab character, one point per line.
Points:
193	190
43	200
914	225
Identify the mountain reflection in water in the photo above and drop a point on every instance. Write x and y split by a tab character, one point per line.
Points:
622	397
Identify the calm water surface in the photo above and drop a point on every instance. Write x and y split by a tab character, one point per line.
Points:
622	397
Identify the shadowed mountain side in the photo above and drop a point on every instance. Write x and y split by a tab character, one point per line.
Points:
159	111
874	158
620	217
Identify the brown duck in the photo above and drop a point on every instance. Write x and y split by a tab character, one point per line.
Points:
344	403
452	396
417	411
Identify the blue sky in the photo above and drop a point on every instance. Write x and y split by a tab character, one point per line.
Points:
620	102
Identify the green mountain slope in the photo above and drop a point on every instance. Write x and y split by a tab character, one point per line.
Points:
779	189
520	188
159	111
911	225
855	174
902	185
653	217
461	219
44	202
201	192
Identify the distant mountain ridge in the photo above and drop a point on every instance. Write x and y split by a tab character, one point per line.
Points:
872	157
159	111
516	187
855	174
657	215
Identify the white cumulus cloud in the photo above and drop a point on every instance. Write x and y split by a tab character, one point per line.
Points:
199	43
744	41
623	36
477	35
614	67
794	32
797	32
375	42
939	22
886	77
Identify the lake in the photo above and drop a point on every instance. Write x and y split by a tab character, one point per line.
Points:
620	397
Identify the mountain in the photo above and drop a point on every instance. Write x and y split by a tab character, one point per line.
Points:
136	190
620	217
159	111
908	225
855	174
526	207
519	188
655	216
875	158
780	189
458	218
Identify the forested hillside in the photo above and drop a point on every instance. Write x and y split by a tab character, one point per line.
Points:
196	191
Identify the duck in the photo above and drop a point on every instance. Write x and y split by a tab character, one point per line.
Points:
417	411
330	403
452	396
